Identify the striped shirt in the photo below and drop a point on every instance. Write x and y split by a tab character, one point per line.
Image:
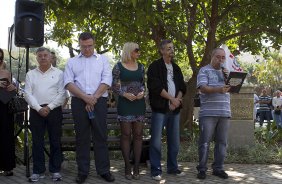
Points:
213	104
263	106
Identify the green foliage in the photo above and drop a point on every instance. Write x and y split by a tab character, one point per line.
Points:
271	137
147	22
18	61
269	72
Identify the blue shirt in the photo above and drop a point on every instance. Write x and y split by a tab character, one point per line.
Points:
87	73
213	104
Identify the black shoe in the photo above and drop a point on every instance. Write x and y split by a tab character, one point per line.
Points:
177	172
201	175
108	177
80	178
221	174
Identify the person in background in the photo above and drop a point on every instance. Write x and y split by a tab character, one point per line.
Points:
88	77
45	94
54	64
166	88
264	108
7	140
215	113
129	84
256	106
277	105
53	59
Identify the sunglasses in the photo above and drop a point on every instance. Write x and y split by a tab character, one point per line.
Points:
136	50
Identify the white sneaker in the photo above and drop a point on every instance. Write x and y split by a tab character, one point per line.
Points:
36	177
56	176
157	178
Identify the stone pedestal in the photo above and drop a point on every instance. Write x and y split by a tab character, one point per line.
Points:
241	132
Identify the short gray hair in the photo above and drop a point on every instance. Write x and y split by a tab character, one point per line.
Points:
163	43
215	50
40	49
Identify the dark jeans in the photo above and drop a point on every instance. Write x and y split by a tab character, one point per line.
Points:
264	115
38	125
84	128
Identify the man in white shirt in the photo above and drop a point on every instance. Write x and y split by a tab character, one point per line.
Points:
87	77
45	93
277	105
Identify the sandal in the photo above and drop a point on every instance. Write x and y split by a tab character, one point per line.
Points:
128	174
136	174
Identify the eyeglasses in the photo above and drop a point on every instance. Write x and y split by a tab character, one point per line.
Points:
220	57
136	50
84	47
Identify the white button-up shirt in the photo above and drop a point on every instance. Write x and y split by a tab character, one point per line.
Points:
87	73
45	88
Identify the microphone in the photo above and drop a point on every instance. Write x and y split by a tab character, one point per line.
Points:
225	75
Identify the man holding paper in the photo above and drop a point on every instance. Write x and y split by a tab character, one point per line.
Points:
214	115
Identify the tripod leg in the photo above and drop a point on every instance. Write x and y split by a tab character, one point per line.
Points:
26	146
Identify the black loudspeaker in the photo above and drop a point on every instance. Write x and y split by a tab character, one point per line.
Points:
29	24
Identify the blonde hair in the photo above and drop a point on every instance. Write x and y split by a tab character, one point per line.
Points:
127	50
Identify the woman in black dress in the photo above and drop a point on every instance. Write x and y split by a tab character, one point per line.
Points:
7	140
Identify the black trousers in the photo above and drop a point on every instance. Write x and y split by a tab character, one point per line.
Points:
7	140
95	128
38	126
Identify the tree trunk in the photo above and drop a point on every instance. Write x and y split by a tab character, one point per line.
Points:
69	45
186	116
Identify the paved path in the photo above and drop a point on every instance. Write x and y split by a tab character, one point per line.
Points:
238	173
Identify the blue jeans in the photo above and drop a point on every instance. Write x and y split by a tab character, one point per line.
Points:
213	128
171	122
278	119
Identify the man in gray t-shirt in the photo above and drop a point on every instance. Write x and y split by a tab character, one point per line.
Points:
214	114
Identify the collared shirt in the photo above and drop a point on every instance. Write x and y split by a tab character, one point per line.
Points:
44	88
277	101
87	73
213	104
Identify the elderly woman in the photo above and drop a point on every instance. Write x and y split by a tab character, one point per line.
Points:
128	84
7	141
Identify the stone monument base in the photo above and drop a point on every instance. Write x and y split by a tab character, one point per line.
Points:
241	133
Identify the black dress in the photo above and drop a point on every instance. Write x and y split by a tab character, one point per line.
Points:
7	140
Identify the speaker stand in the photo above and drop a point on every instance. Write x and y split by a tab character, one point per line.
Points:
26	125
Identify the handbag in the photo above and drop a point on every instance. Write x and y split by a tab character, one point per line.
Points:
197	101
17	104
277	111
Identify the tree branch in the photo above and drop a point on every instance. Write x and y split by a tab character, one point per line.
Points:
190	13
229	8
207	17
249	31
